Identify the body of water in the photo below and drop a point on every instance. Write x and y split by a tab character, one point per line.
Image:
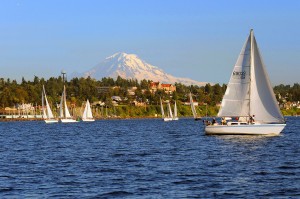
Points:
145	158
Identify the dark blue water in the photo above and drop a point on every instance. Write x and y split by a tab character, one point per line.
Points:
145	159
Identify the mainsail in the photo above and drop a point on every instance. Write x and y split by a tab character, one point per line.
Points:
243	96
64	112
43	105
192	106
175	110
87	113
162	109
170	114
47	113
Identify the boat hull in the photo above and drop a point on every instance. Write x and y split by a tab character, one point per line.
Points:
49	121
166	119
67	120
88	120
251	129
175	118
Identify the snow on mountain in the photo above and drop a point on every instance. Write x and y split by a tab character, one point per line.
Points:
130	66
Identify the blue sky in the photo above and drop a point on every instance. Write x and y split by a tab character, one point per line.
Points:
187	38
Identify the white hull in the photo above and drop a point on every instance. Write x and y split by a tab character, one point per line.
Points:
251	129
88	119
67	120
49	121
175	118
166	119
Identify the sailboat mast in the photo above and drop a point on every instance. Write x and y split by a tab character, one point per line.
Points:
251	67
65	102
43	108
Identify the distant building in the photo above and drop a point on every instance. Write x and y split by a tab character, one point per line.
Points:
98	103
131	91
136	103
103	89
116	98
188	103
106	89
168	88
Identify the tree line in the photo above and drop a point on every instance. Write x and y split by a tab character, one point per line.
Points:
287	93
81	89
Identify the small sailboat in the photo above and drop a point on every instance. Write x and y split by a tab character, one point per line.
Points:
249	93
87	115
175	117
64	114
193	108
165	118
169	111
47	113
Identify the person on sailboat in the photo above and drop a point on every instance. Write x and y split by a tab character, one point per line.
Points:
213	121
252	119
223	121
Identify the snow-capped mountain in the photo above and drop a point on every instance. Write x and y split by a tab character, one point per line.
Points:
130	66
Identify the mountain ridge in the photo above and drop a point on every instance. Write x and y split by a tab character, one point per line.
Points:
130	66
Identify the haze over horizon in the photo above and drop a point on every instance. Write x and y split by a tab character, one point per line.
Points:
200	40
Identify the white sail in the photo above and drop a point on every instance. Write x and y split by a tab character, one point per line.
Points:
175	110
49	114
61	107
263	103
170	114
175	117
241	101
84	115
162	109
87	113
67	113
236	99
192	106
43	106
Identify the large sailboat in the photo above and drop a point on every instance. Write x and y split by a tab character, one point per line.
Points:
64	114
196	117
167	117
248	94
47	113
87	115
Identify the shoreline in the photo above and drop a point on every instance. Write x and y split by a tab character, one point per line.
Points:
116	118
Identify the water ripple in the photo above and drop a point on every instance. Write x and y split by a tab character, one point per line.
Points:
145	159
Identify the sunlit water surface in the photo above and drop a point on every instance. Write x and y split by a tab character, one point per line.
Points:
145	158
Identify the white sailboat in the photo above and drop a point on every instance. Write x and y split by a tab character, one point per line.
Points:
47	113
87	115
165	118
175	117
193	108
249	93
64	114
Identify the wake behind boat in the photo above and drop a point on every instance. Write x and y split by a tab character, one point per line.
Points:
248	94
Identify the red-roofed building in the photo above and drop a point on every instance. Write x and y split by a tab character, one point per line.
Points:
168	88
